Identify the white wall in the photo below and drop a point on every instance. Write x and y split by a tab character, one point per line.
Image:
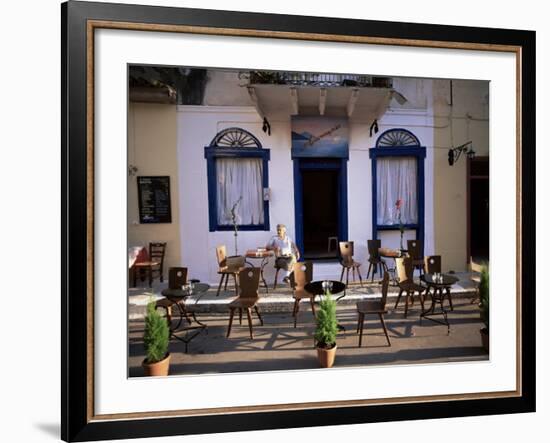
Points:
197	126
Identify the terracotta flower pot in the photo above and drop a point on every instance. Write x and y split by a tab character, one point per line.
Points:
485	338
157	369
326	356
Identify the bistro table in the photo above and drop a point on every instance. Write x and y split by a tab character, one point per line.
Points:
257	254
316	288
438	284
179	297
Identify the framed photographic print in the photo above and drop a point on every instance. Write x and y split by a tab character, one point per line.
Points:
276	221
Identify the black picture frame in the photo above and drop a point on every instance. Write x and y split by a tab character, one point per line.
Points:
78	420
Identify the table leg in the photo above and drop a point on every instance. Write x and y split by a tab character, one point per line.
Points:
191	331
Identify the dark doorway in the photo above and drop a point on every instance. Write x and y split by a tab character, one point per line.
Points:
479	209
320	213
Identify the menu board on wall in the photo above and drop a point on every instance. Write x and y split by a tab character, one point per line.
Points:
154	199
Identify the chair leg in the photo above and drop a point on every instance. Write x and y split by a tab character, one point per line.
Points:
275	282
407	303
231	314
384	327
240	316
236	284
398	299
220	285
358	321
421	297
226	281
150	270
342	274
360	278
296	309
353	274
249	315
259	315
362	321
368	272
347	276
312	301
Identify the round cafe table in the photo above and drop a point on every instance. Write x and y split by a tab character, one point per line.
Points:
438	285
178	297
316	288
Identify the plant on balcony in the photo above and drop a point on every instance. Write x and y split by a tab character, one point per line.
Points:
398	205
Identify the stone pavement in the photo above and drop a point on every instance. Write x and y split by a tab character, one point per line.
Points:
279	346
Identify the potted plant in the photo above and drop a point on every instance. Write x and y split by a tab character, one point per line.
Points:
484	306
155	340
326	331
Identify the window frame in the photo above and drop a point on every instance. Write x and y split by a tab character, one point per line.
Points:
416	151
211	154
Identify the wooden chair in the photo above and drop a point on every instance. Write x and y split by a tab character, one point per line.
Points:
432	264
177	277
406	283
154	265
377	307
347	262
302	274
415	249
228	266
374	258
249	280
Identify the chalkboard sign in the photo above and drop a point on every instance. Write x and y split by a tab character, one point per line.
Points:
154	199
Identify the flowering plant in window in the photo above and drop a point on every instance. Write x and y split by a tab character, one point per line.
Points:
235	221
398	205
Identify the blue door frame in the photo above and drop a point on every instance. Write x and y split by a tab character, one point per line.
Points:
320	164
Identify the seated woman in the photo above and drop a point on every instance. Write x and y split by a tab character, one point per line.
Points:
286	252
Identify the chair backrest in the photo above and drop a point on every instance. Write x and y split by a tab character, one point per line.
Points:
221	255
346	251
157	252
432	264
415	249
302	274
177	277
404	269
249	282
385	287
374	248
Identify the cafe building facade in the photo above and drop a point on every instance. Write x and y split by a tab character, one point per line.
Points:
327	156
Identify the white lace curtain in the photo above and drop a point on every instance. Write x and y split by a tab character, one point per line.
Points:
396	179
240	178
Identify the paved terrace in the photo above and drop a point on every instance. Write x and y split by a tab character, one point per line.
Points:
278	346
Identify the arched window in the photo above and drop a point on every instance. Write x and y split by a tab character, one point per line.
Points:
398	175
237	168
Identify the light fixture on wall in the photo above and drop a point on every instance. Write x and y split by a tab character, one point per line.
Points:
132	170
455	153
